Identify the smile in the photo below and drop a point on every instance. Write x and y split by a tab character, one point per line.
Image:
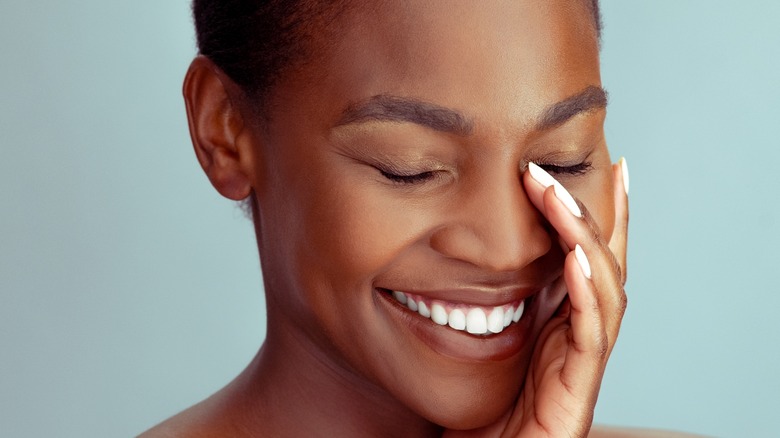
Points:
473	319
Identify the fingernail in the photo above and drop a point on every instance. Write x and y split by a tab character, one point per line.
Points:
565	197
624	168
540	175
545	179
582	260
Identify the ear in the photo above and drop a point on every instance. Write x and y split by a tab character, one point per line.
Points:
221	139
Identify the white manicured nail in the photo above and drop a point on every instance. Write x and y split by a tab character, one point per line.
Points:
565	197
546	180
540	175
624	168
582	259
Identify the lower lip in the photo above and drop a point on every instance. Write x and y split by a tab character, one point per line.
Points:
462	345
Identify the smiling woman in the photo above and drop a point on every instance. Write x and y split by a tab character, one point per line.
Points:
426	271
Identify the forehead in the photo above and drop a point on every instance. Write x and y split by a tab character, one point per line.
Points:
501	60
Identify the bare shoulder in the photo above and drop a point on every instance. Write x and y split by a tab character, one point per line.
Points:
201	420
180	425
627	432
163	430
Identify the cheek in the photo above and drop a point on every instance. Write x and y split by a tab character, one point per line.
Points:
342	232
362	229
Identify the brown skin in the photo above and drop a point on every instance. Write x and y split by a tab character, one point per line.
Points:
332	229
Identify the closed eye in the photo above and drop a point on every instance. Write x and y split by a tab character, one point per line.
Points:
577	169
408	179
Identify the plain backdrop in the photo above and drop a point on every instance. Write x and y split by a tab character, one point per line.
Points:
130	290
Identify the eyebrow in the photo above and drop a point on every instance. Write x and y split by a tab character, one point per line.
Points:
385	107
591	98
390	108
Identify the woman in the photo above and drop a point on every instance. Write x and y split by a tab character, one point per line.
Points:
426	272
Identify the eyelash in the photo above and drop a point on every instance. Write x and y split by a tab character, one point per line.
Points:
577	169
408	179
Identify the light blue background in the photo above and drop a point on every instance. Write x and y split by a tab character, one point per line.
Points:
129	290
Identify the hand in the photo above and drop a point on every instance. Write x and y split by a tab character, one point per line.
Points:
568	364
566	369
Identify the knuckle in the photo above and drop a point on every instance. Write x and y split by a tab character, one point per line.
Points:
588	218
622	302
621	272
601	348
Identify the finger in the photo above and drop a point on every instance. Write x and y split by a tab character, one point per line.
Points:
535	187
575	226
536	182
569	361
567	394
570	220
619	240
589	341
605	278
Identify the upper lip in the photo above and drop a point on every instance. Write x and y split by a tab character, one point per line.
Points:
477	289
474	295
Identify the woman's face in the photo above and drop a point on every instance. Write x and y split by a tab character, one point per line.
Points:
393	161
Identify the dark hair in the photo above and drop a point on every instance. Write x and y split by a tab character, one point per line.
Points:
596	11
255	41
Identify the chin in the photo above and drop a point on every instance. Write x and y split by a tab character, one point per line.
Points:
474	389
467	414
472	403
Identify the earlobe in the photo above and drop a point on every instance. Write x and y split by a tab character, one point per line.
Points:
216	128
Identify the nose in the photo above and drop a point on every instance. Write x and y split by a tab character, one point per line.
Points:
494	226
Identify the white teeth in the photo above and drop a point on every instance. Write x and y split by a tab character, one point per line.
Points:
495	322
457	319
519	312
423	310
510	312
438	314
476	321
472	319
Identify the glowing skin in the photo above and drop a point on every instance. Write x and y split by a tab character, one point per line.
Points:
468	234
396	162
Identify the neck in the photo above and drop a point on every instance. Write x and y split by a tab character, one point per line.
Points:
293	389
